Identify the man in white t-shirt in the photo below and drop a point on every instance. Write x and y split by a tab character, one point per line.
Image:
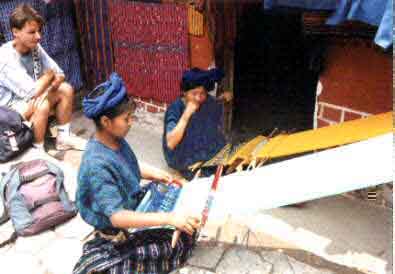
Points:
31	82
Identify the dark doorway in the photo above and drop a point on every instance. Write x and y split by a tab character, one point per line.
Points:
276	74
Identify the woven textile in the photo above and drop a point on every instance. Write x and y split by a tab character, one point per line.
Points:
58	37
70	62
150	252
95	38
327	137
150	47
59	30
195	21
222	157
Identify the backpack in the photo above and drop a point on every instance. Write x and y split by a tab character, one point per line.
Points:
33	196
15	135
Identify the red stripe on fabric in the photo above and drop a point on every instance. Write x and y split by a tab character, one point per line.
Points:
103	38
150	47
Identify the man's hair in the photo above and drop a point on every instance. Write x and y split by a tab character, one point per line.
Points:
128	104
25	13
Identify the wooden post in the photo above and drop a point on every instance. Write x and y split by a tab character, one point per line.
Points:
229	86
230	19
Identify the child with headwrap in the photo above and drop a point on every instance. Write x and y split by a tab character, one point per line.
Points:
109	192
193	123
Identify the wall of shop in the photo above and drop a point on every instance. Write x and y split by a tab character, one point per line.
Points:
356	82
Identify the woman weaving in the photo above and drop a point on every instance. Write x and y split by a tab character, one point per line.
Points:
109	192
193	123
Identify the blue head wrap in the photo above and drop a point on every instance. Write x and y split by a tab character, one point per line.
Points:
196	77
114	93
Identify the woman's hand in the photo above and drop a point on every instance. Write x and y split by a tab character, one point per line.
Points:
187	224
227	96
191	108
164	177
155	174
167	179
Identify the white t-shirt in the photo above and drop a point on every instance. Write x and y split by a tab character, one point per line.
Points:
16	73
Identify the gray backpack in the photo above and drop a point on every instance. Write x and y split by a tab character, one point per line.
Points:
32	195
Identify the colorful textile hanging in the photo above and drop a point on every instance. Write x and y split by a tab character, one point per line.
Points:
201	50
150	47
95	37
58	37
195	21
70	62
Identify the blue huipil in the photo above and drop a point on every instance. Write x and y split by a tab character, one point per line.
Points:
203	137
108	181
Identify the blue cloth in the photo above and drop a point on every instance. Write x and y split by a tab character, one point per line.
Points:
114	94
196	77
374	12
108	181
305	4
70	63
384	35
203	137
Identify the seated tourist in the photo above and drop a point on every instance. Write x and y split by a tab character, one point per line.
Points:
32	84
109	192
193	123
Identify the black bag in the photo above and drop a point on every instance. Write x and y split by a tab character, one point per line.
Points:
15	135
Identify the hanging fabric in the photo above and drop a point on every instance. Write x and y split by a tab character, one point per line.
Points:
95	38
195	21
377	13
150	47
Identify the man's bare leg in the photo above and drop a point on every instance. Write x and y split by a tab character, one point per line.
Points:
64	108
39	119
60	103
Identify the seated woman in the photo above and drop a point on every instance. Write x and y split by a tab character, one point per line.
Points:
109	192
193	123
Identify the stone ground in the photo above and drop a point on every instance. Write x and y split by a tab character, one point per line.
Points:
334	235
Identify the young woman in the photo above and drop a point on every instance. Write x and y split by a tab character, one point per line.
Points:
193	123
109	192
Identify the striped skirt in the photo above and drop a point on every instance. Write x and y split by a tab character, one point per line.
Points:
148	252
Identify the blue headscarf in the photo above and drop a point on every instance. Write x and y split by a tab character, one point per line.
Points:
114	94
196	77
